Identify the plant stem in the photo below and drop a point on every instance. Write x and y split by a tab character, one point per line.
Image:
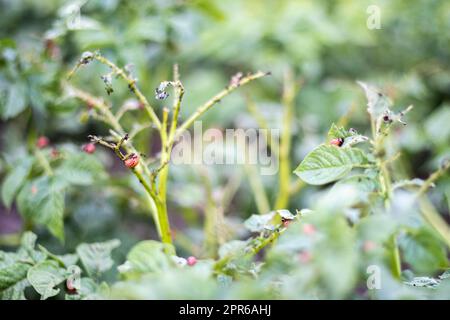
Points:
434	219
262	203
433	177
395	257
211	232
132	85
289	91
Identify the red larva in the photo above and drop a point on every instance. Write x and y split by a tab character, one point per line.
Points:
89	148
286	222
42	142
309	229
305	256
337	142
70	287
369	246
191	261
132	161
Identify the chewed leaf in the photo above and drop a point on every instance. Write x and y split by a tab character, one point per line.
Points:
377	103
285	214
96	257
337	132
258	222
44	277
349	137
329	163
352	140
426	282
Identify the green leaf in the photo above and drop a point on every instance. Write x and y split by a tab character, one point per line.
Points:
147	256
445	275
423	252
377	103
426	282
65	260
16	292
96	257
259	222
232	248
15	179
12	274
45	276
42	201
337	132
80	169
16	101
329	163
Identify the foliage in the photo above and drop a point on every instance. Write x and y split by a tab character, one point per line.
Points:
118	219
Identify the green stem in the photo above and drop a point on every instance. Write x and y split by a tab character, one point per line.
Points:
282	200
262	203
395	257
132	85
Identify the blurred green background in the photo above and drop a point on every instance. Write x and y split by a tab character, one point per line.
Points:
326	44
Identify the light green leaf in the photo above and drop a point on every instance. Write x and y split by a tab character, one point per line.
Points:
337	132
16	292
80	169
426	282
259	222
445	275
16	101
12	274
15	179
377	103
45	276
96	257
147	256
232	248
423	252
329	163
42	201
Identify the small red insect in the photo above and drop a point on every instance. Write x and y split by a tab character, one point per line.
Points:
132	161
191	260
337	142
286	222
70	285
42	142
309	229
305	256
89	148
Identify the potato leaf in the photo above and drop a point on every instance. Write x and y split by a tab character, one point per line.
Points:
329	163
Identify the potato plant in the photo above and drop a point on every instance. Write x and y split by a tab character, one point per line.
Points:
311	253
96	98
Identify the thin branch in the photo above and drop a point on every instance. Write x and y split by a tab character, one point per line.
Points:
289	92
132	86
433	177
